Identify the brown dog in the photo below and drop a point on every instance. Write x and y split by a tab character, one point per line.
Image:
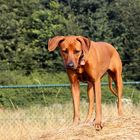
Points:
88	61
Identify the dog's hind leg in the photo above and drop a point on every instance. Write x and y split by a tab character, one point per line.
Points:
119	90
117	78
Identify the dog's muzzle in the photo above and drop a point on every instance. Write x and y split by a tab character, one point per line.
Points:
70	65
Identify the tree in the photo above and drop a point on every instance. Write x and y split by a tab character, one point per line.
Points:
26	27
126	30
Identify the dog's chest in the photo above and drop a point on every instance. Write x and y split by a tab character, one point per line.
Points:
82	75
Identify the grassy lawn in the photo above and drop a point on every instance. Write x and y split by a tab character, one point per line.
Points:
16	98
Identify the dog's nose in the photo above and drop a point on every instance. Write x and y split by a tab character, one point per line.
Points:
70	65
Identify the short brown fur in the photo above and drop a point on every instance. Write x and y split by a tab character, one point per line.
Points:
88	61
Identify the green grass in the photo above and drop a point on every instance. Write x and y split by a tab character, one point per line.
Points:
16	98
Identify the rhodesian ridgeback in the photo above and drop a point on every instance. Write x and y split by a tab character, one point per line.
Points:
88	61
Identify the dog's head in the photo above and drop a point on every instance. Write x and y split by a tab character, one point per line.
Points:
73	49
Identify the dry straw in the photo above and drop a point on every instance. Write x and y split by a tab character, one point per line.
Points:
55	123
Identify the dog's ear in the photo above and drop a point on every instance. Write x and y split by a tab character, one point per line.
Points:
85	42
54	42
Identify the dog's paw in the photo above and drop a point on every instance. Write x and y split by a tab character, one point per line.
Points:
76	121
98	126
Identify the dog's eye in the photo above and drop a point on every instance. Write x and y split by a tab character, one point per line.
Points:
76	51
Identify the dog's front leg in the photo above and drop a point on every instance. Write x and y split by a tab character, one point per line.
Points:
76	101
98	116
90	91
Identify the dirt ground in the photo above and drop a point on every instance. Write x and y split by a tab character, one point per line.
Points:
126	127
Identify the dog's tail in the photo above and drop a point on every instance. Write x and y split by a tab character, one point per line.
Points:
114	91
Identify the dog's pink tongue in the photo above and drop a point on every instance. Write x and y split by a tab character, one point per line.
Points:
82	62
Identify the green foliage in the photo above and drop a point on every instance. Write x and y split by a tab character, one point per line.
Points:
26	26
25	29
26	97
124	17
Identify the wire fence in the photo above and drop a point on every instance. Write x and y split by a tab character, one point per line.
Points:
58	85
